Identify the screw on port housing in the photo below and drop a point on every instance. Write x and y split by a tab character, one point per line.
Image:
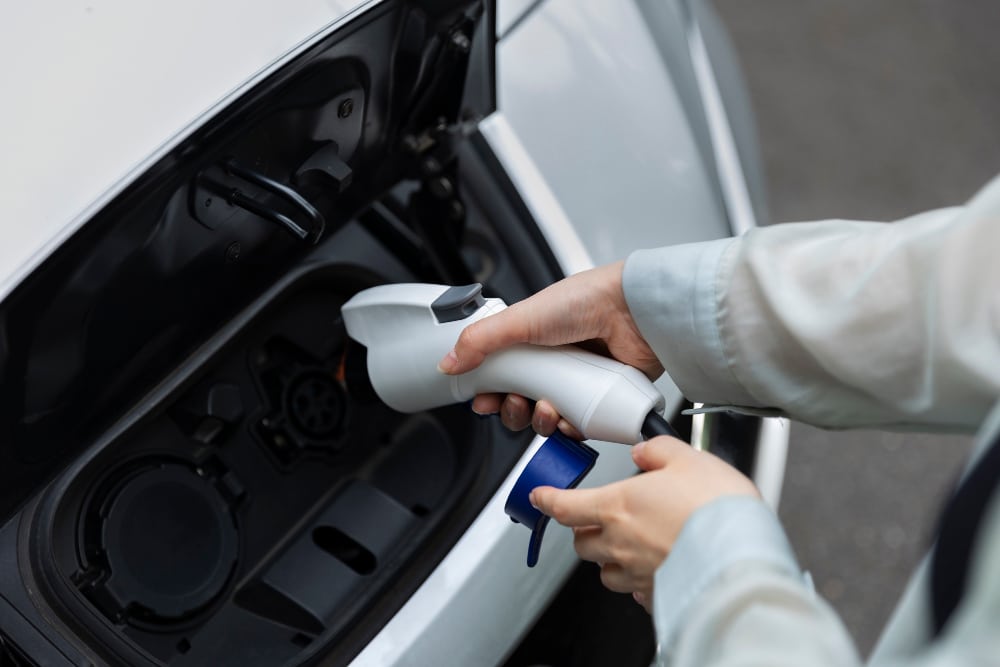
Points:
461	42
345	108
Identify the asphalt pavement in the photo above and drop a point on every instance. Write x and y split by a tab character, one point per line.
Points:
874	111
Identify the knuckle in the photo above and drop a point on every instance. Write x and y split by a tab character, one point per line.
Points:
516	403
467	339
603	515
612	510
619	555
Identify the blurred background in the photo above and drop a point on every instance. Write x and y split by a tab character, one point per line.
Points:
869	110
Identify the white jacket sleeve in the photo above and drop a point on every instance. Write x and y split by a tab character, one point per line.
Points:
837	323
732	594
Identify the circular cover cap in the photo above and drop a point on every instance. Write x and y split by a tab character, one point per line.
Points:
170	542
560	462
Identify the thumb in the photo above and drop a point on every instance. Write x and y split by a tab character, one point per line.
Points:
484	337
659	452
570	507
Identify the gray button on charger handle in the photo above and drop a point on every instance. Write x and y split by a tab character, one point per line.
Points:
457	303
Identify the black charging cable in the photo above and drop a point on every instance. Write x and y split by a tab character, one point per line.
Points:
655	425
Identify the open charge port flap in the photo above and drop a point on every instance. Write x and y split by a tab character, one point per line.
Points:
309	583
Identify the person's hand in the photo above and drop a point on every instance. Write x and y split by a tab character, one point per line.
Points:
587	308
629	527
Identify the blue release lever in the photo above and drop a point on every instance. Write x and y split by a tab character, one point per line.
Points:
560	462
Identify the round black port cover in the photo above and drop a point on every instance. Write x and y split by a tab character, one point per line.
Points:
170	541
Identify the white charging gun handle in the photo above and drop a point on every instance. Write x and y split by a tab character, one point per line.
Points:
408	328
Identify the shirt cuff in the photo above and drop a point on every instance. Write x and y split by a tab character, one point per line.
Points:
675	297
723	533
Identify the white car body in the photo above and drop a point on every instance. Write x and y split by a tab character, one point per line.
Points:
593	127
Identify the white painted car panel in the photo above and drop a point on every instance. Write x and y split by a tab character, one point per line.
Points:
509	11
557	228
585	89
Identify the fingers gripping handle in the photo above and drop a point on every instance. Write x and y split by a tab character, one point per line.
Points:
406	335
603	398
